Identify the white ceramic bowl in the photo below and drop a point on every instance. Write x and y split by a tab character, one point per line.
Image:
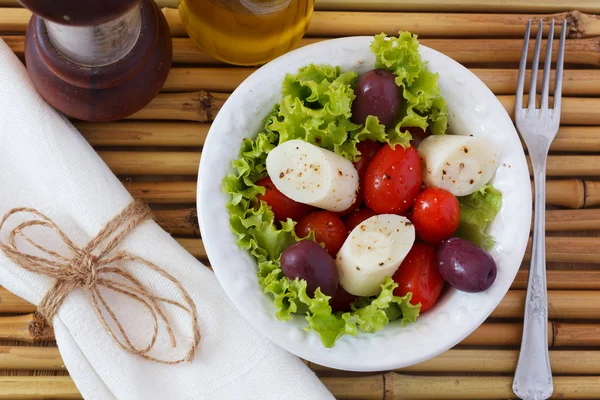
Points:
473	109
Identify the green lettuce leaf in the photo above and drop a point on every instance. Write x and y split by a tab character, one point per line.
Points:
477	210
424	107
316	107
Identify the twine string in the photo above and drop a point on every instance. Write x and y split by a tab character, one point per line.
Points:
92	267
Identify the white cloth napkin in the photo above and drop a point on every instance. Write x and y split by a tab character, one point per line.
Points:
46	164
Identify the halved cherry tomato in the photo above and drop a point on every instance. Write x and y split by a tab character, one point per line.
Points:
357	217
393	180
419	274
436	215
341	300
417	134
283	207
368	149
328	228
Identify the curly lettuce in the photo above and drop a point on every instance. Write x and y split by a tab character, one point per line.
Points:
424	107
316	107
477	211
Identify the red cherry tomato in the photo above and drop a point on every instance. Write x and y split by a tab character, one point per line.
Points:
419	274
417	134
328	228
436	215
283	207
341	300
393	180
368	149
357	217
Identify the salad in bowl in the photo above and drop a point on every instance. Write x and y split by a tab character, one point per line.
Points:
365	205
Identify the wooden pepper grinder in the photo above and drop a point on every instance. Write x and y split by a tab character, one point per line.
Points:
97	60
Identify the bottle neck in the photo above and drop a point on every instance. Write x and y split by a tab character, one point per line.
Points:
95	46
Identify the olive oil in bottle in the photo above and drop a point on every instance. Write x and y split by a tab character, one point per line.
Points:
246	32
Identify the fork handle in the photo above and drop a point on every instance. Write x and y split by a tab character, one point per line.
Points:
533	377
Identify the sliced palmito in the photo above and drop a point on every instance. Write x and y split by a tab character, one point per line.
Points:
312	175
459	164
374	250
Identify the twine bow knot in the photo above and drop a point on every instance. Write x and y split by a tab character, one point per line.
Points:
92	267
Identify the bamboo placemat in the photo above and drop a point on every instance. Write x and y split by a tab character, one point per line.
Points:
156	152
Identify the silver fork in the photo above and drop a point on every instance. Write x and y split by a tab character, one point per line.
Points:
538	127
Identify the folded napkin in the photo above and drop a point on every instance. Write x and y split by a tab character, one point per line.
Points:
47	165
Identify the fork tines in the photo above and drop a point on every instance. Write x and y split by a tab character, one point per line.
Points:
534	70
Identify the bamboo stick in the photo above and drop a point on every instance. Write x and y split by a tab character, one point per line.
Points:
567	193
464	51
592	193
574	110
570	220
141	133
584	335
199	106
578	165
577	139
361	387
208	78
29	328
30	358
578	82
151	162
399	386
13	20
38	388
572	193
193	246
163	192
388	387
179	221
10	303
16	44
500	334
499	6
560	334
336	24
564	362
563	304
348	23
563	280
570	249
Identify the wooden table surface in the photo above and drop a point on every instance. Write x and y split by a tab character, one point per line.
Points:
156	152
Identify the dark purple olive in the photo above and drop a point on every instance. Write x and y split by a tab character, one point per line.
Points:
377	94
465	265
309	261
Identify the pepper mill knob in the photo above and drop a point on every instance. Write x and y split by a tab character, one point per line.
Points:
97	60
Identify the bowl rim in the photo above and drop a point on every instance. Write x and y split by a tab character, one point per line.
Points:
305	346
